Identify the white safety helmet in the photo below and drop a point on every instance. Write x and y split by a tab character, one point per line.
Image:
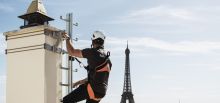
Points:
98	34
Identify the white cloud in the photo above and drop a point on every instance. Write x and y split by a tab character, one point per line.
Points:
162	11
177	88
158	15
169	15
161	77
207	66
6	8
144	45
2	43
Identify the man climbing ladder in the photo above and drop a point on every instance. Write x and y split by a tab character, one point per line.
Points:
93	88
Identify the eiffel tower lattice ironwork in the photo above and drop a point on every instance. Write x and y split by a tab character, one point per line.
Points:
127	94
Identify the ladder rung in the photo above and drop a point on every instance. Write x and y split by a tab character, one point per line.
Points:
71	58
64	84
64	68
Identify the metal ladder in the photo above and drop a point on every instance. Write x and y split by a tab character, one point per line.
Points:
69	59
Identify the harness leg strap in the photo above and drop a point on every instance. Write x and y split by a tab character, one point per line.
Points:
91	93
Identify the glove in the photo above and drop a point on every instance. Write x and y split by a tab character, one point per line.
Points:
66	36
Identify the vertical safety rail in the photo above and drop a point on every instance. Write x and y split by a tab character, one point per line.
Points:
69	59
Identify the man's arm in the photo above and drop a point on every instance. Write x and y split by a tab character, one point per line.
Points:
84	81
72	51
80	82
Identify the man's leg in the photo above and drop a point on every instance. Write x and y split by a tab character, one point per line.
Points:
96	94
78	94
91	101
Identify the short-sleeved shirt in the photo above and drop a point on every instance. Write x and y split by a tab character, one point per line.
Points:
96	57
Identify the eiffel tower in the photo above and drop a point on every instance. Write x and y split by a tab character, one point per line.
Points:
127	94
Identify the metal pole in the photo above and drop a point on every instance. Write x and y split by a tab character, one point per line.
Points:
70	64
69	27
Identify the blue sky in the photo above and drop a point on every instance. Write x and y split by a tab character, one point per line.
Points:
175	46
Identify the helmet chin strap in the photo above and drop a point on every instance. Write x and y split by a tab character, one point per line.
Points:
91	46
96	46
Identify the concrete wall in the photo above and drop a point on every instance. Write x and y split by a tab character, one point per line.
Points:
33	73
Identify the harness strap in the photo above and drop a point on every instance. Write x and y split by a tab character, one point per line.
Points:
106	68
91	93
101	65
107	56
80	63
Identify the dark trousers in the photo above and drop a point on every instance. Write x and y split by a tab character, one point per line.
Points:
79	94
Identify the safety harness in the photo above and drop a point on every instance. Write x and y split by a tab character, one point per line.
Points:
104	67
